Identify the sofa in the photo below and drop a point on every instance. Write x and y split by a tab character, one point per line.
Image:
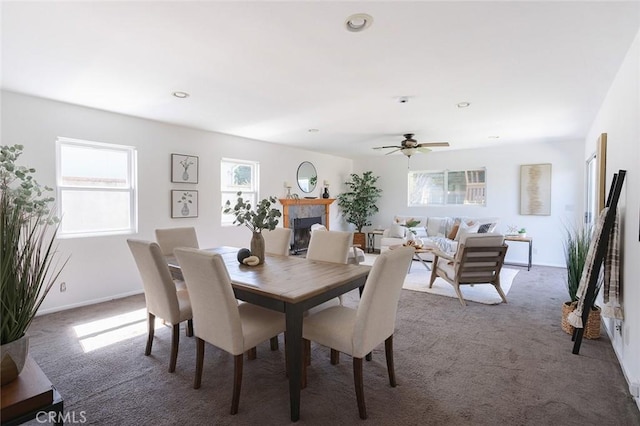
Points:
442	232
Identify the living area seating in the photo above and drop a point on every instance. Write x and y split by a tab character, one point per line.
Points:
478	260
443	233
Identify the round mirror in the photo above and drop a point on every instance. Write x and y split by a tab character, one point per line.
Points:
307	177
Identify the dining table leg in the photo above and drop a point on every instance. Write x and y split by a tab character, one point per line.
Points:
293	348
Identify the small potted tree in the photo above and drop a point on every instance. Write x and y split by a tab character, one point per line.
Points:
358	204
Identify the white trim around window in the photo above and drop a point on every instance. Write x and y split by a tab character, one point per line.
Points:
96	188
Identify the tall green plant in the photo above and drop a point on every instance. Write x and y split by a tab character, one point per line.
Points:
28	229
576	246
358	204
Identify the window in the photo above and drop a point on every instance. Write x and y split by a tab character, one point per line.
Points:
238	176
96	188
428	188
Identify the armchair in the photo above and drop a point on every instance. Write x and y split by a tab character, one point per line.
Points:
478	260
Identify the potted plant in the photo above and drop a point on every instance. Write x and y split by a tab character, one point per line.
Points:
28	231
576	246
358	204
262	217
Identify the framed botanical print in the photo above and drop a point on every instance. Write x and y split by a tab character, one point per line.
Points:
184	203
184	168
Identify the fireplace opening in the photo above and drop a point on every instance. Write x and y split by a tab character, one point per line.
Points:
302	232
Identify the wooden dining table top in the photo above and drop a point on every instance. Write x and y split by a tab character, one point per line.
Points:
290	279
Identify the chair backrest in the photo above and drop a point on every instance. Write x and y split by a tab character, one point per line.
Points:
376	316
216	318
170	238
159	288
480	257
330	246
277	241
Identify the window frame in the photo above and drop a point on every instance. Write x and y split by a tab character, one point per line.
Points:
226	194
131	187
445	185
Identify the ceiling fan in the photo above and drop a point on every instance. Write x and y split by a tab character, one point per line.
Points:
410	146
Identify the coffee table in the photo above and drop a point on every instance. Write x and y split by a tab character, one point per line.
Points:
416	253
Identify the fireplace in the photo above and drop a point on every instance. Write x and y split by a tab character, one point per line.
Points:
302	232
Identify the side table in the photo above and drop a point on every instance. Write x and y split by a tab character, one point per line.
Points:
517	238
30	396
371	239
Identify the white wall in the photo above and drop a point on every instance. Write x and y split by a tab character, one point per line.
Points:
619	117
503	191
102	268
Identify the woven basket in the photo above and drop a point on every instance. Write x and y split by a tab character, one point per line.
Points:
592	330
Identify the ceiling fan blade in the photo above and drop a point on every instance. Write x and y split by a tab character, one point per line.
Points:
391	152
432	144
385	147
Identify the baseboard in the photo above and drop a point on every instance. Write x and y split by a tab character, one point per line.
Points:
624	371
88	302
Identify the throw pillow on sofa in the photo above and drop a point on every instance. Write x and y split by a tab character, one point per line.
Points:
466	229
396	231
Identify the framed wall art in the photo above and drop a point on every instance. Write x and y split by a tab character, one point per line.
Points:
535	189
184	203
184	168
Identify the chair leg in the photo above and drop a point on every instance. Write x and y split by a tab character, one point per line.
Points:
434	275
237	383
175	340
199	361
501	293
189	328
151	324
357	380
335	357
369	356
388	352
252	354
459	293
274	343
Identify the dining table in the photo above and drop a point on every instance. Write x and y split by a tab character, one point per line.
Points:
292	285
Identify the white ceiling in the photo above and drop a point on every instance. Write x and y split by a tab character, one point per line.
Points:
532	71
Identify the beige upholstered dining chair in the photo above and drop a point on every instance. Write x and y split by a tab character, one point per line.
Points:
357	332
329	246
170	238
162	297
478	260
219	319
277	241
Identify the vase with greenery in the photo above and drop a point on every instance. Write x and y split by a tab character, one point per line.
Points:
28	230
262	217
576	247
358	203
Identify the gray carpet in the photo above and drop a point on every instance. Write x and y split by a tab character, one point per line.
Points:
505	364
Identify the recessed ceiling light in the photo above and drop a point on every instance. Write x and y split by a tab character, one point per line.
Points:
463	104
358	22
494	137
313	130
181	95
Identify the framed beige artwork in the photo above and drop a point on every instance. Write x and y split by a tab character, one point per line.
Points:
535	189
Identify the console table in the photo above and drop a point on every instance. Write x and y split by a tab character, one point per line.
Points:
520	239
30	396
